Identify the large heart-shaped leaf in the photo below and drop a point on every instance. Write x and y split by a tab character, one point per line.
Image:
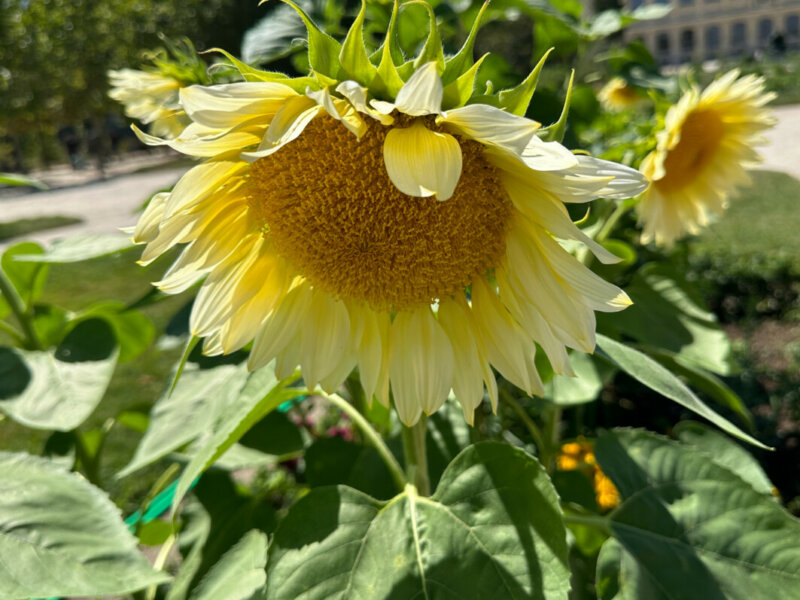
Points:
60	536
27	279
59	389
695	528
493	529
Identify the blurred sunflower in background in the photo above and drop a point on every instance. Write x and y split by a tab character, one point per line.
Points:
151	94
617	95
703	153
379	214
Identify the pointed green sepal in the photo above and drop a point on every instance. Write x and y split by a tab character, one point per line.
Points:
321	80
248	73
354	57
323	50
458	92
516	100
456	66
432	51
388	82
556	131
390	42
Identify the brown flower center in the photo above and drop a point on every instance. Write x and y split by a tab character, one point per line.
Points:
701	134
328	206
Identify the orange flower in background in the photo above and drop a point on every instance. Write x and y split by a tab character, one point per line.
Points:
579	456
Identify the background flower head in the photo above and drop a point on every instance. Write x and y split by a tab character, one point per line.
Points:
707	144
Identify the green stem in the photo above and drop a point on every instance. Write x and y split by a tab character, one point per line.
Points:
416	455
87	461
601	523
530	425
373	436
20	311
552	435
607	229
11	331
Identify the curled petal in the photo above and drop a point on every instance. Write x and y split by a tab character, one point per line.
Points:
421	162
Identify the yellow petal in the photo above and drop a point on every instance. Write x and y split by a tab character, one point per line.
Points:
422	93
491	125
421	162
421	364
224	106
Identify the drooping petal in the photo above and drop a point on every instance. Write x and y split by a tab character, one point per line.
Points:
287	125
467	372
280	326
340	110
357	96
491	126
324	337
422	93
421	162
421	364
147	227
223	106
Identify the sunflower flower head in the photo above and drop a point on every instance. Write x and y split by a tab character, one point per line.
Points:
702	155
151	95
617	95
380	213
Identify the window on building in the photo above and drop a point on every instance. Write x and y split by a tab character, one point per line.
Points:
636	3
662	44
687	41
738	36
764	30
712	40
685	2
793	26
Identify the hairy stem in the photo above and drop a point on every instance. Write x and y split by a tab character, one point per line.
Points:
530	425
416	456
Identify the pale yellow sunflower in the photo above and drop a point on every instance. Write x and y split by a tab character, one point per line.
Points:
369	216
150	98
702	155
617	95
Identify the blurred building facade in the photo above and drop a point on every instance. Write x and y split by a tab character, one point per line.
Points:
698	30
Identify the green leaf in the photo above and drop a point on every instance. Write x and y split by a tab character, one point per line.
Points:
61	536
133	330
702	380
724	452
354	58
262	393
28	279
275	434
619	577
182	414
447	435
48	323
648	372
333	461
323	50
666	314
59	389
516	100
493	529
695	528
240	574
590	377
82	246
17	180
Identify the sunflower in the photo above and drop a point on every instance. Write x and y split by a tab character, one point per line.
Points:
702	155
150	98
617	95
378	214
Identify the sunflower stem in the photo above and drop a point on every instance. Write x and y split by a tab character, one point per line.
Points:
20	311
601	523
530	425
373	436
416	456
